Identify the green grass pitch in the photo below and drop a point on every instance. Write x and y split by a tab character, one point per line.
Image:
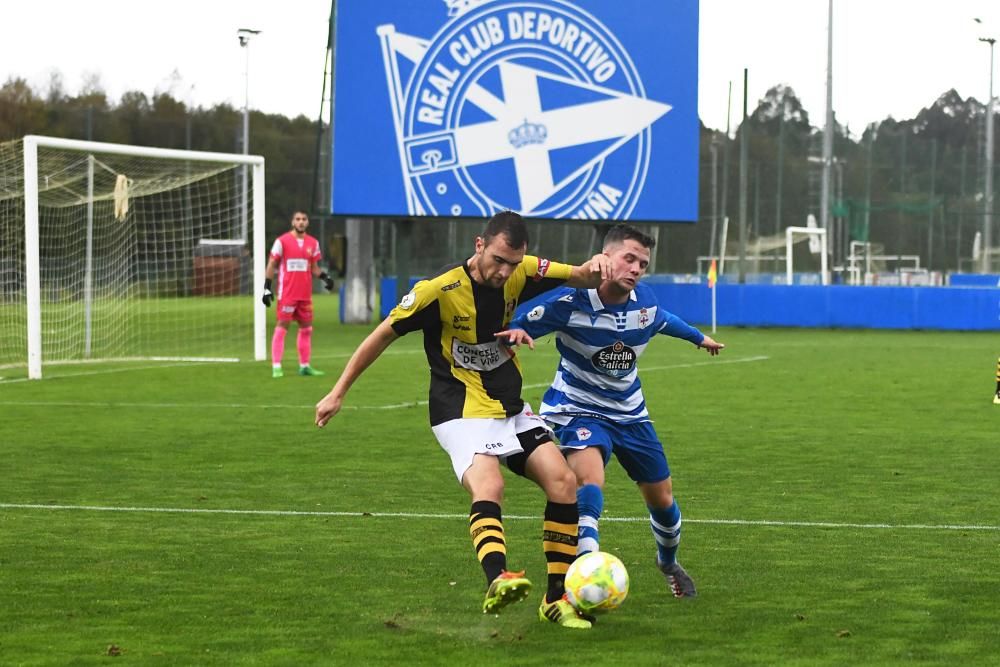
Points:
838	491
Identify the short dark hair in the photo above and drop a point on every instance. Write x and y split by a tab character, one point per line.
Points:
511	225
622	232
297	211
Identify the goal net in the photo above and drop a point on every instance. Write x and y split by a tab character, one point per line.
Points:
111	252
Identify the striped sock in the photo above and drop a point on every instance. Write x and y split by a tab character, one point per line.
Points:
559	543
486	530
666	525
590	500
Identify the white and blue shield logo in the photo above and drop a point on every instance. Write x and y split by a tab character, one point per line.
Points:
535	106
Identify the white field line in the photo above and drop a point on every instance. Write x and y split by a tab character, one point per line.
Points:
105	371
187	361
515	517
196	406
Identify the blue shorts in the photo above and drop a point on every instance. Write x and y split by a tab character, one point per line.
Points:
636	446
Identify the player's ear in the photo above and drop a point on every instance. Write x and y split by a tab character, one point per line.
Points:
480	244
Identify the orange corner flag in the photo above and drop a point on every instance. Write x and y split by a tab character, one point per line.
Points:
712	275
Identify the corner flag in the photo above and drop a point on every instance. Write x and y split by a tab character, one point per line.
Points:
712	275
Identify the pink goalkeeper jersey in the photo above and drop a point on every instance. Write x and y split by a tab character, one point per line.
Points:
296	258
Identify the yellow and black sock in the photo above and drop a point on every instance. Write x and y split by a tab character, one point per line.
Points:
998	377
559	541
486	530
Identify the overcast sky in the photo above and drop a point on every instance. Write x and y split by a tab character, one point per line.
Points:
891	57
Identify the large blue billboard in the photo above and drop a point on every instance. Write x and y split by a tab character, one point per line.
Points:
563	109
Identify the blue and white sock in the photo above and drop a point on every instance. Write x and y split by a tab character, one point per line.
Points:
590	500
666	525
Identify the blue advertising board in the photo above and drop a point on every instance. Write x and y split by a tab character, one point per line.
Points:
560	109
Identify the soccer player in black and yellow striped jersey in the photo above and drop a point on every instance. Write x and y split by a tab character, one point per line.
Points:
476	410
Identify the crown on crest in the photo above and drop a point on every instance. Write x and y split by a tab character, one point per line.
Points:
459	7
527	133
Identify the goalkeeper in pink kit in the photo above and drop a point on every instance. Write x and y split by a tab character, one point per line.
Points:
296	256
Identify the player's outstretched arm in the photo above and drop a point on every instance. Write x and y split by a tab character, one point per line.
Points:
590	274
366	354
713	347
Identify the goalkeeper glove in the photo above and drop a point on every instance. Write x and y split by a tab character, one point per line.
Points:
268	294
327	281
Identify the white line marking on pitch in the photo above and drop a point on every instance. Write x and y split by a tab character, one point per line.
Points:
234	406
108	371
465	517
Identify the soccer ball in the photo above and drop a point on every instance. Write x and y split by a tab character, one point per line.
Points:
597	581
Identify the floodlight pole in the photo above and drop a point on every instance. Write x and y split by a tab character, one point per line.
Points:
988	210
824	205
244	35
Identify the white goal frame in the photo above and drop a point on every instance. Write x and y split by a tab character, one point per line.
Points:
33	290
790	233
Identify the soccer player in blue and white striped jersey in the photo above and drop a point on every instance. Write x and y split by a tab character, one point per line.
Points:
595	403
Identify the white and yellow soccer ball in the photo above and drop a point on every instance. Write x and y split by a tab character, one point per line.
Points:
597	581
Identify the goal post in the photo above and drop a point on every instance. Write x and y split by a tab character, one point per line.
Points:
790	233
113	254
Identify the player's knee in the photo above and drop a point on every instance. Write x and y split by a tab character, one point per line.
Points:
483	487
493	491
659	498
561	485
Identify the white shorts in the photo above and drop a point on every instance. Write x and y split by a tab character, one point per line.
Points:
464	438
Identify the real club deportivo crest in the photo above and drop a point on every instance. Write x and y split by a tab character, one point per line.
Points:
532	106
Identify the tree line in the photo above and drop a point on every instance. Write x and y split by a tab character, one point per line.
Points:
913	186
287	144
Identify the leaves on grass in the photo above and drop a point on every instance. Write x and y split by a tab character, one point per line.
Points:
799	617
392	624
114	650
843	634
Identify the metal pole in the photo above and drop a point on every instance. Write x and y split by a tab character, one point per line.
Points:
933	208
722	244
744	132
755	230
259	263
244	35
781	169
316	203
714	149
88	271
988	211
828	128
788	256
842	223
724	202
868	182
32	279
961	213
246	140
